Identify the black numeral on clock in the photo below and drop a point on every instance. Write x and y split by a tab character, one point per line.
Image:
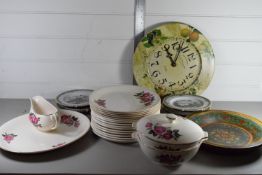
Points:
162	81
191	67
191	57
155	74
155	63
172	84
185	49
157	54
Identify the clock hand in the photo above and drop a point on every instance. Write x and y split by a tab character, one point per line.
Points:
168	54
178	52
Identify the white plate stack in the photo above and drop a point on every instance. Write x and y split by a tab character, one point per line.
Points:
115	108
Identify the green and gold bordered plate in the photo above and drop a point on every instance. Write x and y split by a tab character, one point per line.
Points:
174	58
228	129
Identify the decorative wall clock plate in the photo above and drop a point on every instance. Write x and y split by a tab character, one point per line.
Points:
174	58
228	129
20	136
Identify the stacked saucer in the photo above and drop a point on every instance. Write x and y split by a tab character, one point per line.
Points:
115	108
184	105
75	100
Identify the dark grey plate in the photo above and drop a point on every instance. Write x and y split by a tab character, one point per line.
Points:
187	103
78	98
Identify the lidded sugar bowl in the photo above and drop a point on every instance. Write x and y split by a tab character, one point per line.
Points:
169	139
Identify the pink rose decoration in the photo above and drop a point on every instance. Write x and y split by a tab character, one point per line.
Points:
145	97
67	120
168	135
33	119
70	120
149	125
8	137
76	124
101	102
159	130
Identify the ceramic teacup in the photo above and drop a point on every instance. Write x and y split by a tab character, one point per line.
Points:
43	115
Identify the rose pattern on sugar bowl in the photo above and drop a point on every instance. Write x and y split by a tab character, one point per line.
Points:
168	139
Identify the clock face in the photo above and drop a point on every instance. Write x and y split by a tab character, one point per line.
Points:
174	64
174	58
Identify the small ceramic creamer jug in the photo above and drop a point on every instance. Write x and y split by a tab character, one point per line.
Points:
43	115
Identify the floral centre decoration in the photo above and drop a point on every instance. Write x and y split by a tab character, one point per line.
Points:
70	120
145	97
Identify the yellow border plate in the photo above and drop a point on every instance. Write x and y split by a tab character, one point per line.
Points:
229	129
161	35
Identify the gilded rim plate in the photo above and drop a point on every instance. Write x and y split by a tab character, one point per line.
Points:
154	68
228	129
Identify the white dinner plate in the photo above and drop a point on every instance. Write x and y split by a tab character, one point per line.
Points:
124	99
20	136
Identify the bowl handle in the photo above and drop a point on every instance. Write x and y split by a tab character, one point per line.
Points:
135	135
134	125
205	136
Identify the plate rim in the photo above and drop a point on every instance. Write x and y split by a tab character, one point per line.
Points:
94	105
54	148
246	116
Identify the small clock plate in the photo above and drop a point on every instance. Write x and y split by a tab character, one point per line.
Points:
174	58
190	103
78	98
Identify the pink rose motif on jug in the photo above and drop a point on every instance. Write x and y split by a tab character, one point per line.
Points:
8	137
34	120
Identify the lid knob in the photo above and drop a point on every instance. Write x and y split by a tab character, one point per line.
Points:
171	116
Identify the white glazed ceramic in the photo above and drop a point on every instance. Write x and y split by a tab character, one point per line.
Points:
43	115
119	119
112	125
20	136
113	138
123	99
125	115
165	146
170	129
113	129
115	108
169	158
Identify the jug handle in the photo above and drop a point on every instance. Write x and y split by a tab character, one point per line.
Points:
54	117
31	106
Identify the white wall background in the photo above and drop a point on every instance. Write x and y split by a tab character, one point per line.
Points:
48	46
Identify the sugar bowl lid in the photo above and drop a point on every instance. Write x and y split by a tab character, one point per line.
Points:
170	128
187	102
